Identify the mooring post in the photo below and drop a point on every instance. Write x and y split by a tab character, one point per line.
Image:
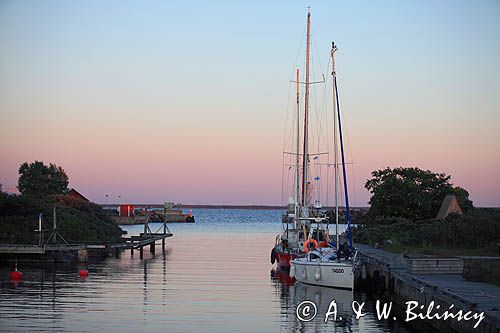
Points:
141	252
131	251
117	253
165	228
54	218
152	248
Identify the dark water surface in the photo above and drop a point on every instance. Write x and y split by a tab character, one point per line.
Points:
214	277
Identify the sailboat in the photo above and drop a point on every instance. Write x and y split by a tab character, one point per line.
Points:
304	226
331	266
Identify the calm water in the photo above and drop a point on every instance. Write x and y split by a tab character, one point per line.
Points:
214	277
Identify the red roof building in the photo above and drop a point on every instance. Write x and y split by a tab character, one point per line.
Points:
77	195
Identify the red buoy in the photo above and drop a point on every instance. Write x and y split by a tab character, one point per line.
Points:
16	275
84	273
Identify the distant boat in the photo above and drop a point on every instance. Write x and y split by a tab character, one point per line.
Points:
331	266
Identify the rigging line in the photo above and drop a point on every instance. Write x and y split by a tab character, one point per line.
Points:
287	187
349	148
286	115
347	210
321	117
295	65
289	131
319	122
348	136
282	176
325	105
298	52
321	112
284	142
327	181
289	86
354	185
329	130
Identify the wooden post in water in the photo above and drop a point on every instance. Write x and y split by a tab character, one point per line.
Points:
54	218
152	247
164	227
141	252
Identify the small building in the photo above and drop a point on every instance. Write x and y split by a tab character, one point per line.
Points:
77	195
450	205
126	210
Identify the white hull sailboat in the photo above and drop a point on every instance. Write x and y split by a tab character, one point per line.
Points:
324	269
335	266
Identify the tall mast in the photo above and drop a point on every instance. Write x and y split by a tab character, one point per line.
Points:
335	149
305	156
297	158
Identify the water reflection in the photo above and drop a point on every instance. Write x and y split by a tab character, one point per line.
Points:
292	294
204	282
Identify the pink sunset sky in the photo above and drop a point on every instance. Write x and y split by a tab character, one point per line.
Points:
155	102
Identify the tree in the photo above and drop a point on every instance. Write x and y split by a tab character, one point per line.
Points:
463	198
411	193
39	180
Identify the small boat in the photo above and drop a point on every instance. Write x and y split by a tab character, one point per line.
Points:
326	267
335	266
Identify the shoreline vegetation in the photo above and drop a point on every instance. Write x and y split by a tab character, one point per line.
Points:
78	221
475	233
403	218
43	187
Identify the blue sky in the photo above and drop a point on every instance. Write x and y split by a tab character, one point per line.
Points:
205	80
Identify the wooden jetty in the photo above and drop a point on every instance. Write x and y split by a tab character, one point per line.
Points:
51	250
402	279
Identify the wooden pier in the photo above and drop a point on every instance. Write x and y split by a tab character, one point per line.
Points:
394	277
81	252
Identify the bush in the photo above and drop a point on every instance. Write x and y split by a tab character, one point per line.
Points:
478	228
77	220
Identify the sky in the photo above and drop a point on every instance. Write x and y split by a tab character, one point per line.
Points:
187	101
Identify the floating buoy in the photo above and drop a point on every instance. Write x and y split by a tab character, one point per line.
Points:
16	275
83	273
